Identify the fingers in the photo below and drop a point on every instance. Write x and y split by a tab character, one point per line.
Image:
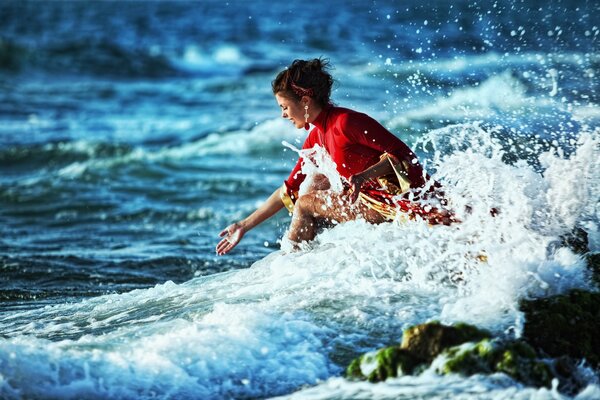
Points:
355	184
230	239
224	247
354	191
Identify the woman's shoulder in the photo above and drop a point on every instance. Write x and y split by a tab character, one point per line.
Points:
343	114
346	117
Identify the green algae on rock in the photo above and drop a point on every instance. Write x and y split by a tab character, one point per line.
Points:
420	345
426	341
515	358
465	350
389	362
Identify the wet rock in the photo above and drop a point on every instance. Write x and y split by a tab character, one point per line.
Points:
593	263
427	341
565	325
389	362
515	358
420	345
569	378
577	241
466	350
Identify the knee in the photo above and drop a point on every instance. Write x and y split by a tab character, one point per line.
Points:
320	182
302	205
314	205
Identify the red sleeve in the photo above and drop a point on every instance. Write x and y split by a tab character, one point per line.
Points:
364	130
293	182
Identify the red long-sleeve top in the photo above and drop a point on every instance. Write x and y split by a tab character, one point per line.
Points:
355	142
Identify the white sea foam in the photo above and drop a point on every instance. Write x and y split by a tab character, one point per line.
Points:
264	137
461	63
498	94
428	386
280	324
586	114
231	350
316	161
224	59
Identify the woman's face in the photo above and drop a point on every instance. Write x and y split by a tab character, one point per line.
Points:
292	110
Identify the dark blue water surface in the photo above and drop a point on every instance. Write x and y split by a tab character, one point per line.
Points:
107	180
132	132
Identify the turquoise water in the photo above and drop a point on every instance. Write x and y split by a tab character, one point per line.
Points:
132	133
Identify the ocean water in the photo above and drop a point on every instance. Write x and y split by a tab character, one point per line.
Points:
131	133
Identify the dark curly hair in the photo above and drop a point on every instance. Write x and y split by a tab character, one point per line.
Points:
310	77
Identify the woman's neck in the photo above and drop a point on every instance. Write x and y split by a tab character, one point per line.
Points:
320	119
314	112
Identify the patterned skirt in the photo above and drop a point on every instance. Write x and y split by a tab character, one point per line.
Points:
388	200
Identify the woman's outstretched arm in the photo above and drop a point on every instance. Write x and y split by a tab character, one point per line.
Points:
236	231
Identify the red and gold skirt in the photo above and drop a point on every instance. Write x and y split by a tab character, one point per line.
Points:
394	206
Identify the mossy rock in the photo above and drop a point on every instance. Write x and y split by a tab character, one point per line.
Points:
420	345
514	358
467	359
389	362
567	324
468	350
427	341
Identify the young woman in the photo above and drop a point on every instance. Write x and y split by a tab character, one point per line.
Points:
382	176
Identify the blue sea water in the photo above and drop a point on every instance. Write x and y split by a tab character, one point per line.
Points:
131	133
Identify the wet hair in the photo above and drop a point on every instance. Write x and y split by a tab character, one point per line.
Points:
305	78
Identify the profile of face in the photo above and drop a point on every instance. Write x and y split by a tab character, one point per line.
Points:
291	109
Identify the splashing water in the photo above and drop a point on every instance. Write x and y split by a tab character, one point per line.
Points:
125	151
316	161
298	318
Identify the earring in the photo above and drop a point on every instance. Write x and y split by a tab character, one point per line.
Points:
306	126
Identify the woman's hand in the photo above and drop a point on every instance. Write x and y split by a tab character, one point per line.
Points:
233	234
355	182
